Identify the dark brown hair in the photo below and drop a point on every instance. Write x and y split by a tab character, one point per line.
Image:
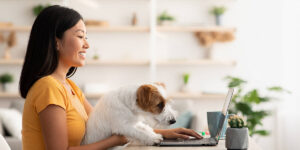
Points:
41	57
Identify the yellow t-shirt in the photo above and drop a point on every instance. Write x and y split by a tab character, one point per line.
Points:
44	92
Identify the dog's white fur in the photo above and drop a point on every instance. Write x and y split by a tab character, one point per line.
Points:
117	112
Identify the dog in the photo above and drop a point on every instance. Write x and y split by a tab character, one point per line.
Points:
119	112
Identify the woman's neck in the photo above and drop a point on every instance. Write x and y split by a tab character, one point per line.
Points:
60	72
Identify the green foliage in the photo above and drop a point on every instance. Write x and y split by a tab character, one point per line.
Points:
217	11
186	77
236	121
165	16
243	102
6	78
37	9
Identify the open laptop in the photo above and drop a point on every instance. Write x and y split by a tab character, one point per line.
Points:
212	141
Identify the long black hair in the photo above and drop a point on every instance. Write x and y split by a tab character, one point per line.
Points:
41	57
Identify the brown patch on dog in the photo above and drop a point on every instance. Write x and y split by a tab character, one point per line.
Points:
149	99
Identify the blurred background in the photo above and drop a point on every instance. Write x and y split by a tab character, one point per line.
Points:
198	48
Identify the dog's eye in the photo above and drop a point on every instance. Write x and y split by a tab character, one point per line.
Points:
160	105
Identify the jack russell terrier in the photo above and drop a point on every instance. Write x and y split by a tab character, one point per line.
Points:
119	112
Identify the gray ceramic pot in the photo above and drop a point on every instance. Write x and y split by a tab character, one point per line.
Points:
237	138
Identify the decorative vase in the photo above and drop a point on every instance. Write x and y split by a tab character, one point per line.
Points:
236	138
4	87
208	52
218	19
165	22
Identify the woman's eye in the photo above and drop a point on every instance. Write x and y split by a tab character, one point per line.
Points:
81	37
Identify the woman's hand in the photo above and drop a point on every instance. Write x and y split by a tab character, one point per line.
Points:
182	133
120	140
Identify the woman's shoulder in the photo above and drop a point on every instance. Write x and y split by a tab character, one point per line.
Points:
46	83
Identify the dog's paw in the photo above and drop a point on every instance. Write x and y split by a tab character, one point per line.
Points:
157	139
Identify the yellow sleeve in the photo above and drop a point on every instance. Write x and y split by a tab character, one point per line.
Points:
47	91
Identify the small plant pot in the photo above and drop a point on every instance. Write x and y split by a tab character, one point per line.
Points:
4	87
185	88
236	138
218	20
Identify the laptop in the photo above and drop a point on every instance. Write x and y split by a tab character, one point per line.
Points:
212	141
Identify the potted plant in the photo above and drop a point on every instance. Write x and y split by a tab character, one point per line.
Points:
236	134
165	19
218	12
185	85
38	8
4	79
243	103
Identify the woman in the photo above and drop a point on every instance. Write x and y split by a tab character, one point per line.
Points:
56	110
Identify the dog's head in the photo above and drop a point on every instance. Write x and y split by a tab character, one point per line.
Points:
151	98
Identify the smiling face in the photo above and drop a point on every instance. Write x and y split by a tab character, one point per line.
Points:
73	45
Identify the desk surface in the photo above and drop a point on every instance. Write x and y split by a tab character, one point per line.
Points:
220	146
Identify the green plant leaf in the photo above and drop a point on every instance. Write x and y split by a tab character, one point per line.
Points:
37	9
6	78
245	108
234	81
278	89
186	77
262	132
242	102
218	10
165	16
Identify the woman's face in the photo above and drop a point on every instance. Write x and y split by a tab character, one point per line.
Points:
73	45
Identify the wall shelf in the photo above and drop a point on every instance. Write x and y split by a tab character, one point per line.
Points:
118	62
11	62
89	29
138	62
176	95
196	62
9	95
136	29
196	96
194	29
118	29
89	62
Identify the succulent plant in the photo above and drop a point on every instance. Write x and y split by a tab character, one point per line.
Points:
236	121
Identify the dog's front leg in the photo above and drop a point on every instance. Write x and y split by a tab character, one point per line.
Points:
142	133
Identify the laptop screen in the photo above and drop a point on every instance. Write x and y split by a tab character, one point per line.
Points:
224	111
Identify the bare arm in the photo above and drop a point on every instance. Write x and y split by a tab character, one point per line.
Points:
54	130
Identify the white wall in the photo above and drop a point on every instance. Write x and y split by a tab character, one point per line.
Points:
265	49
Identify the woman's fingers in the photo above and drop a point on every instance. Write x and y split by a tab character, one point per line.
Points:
182	136
190	132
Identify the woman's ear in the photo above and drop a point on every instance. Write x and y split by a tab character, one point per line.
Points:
57	44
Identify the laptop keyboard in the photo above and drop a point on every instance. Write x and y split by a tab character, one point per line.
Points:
204	141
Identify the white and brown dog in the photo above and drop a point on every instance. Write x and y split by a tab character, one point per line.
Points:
118	112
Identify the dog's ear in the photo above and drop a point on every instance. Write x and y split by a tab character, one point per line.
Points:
143	96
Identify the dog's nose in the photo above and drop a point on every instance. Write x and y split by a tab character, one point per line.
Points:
172	121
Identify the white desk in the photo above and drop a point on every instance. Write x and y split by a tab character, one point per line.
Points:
220	146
